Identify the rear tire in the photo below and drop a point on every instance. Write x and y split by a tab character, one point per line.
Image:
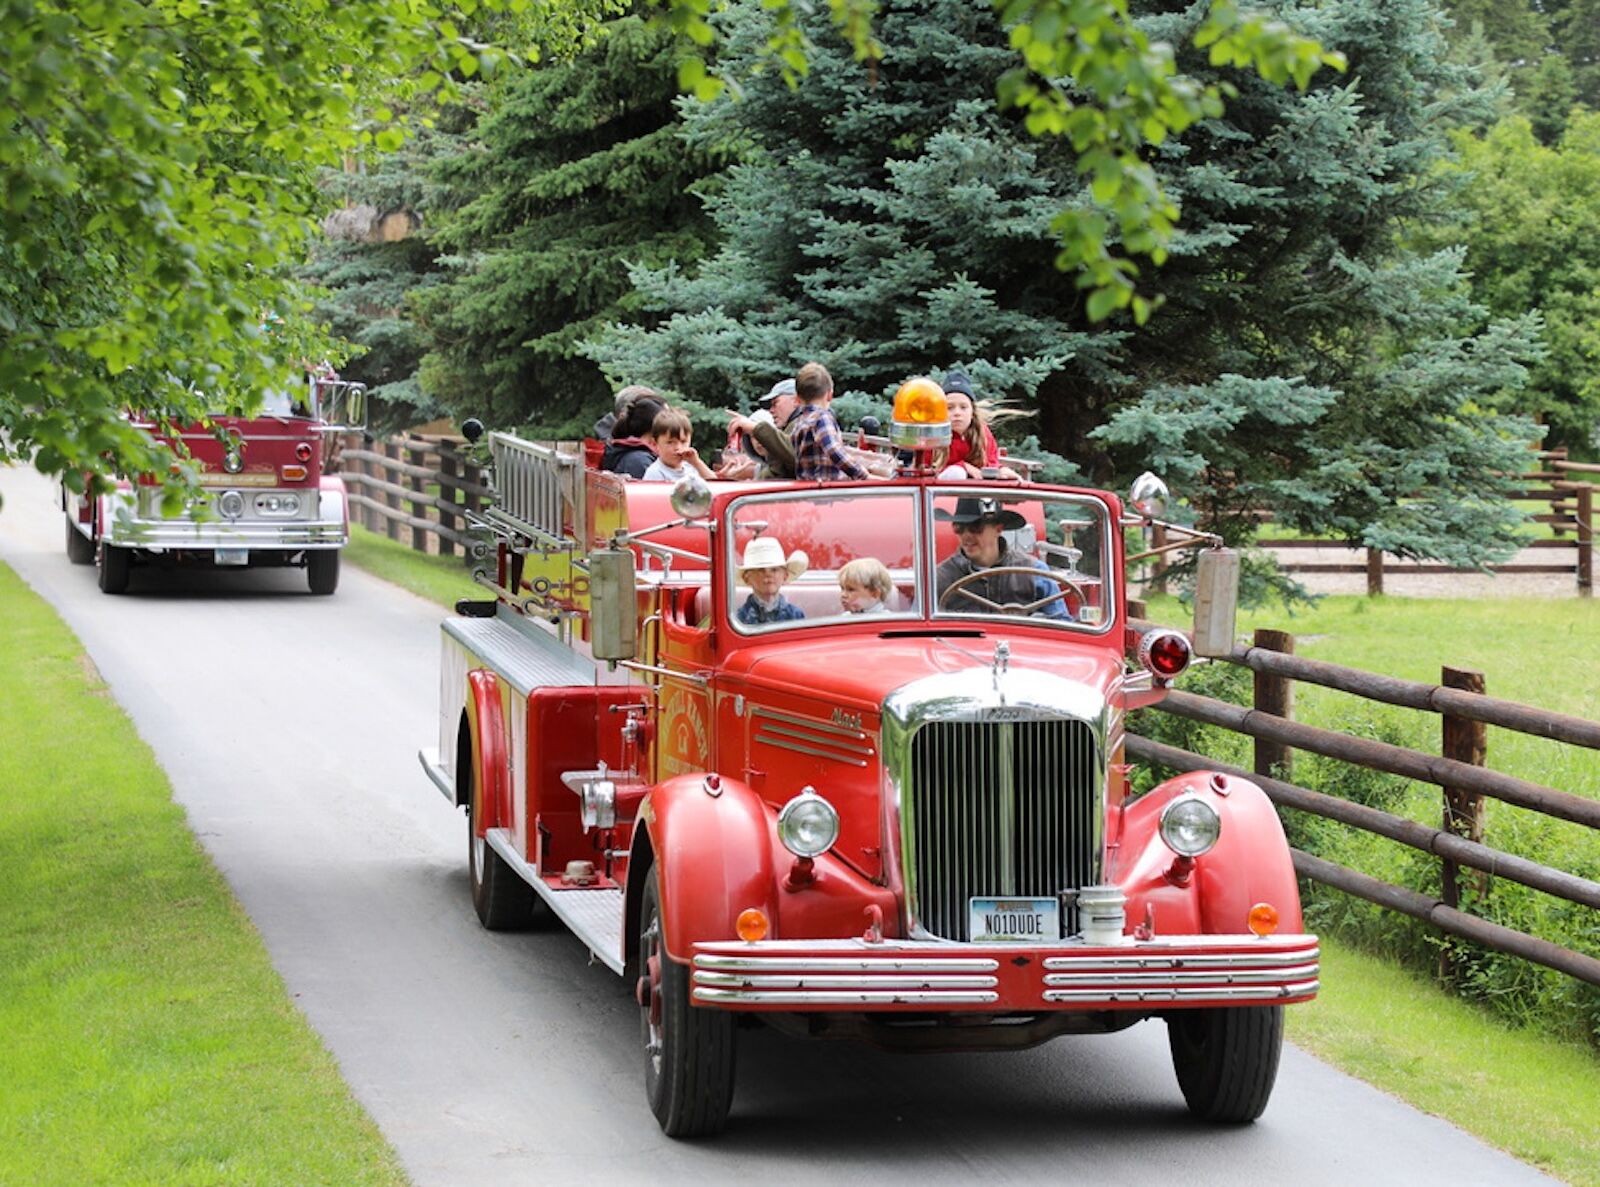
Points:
1226	1059
503	901
322	571
115	565
80	549
689	1050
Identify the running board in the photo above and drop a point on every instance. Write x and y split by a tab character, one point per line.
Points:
593	914
429	758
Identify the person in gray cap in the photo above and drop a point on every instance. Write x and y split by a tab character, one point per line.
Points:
760	436
619	409
979	523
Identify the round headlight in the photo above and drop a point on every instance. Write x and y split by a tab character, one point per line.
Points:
1190	826
231	504
691	497
808	825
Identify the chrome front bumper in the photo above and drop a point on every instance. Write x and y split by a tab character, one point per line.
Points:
893	975
125	530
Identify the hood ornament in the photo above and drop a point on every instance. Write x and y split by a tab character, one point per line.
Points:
1002	661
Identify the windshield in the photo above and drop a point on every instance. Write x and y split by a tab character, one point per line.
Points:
294	399
1018	552
800	558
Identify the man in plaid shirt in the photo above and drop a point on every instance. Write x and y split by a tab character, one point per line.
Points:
818	445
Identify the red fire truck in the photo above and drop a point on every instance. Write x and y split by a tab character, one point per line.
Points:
912	826
267	499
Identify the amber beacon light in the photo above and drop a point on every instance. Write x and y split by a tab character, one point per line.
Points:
921	416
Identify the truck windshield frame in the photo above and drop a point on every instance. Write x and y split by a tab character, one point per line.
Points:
1046	513
872	526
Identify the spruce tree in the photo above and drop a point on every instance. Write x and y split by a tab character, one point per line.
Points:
574	172
897	225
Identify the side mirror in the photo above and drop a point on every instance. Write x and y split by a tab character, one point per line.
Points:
1148	495
355	406
613	603
1216	602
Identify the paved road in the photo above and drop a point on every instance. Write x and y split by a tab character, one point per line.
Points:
289	725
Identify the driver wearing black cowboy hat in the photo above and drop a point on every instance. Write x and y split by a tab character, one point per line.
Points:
978	523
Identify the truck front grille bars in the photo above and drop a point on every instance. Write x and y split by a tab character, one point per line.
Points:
999	808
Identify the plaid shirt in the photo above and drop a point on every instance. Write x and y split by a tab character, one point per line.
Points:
819	447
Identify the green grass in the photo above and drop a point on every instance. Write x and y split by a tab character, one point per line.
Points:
147	1038
441	579
1533	1097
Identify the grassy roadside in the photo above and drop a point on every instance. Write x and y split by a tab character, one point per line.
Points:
441	579
147	1038
1516	1087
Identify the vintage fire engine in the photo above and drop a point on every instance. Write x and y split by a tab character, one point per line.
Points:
267	499
912	826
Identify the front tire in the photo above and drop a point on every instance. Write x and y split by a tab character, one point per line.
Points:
322	571
80	549
689	1050
115	565
503	901
1226	1059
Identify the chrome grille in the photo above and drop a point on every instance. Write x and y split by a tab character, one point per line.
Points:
998	808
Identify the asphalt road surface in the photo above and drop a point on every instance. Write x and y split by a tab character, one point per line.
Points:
289	726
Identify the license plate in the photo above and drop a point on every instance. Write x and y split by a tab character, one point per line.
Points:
1014	920
232	556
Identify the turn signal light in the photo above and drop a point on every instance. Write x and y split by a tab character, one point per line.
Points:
1263	919
751	925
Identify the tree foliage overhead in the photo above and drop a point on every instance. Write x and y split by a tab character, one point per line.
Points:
573	171
156	162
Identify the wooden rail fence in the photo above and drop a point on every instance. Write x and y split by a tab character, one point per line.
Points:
1562	486
413	486
1465	712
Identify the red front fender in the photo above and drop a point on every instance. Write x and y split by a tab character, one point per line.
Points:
1249	864
713	855
490	770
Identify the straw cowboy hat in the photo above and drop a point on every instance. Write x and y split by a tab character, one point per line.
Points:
764	552
974	510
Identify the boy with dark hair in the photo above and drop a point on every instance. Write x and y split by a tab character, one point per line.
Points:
672	437
819	450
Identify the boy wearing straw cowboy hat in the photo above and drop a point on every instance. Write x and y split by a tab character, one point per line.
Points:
764	570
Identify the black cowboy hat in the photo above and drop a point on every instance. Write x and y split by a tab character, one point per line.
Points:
975	510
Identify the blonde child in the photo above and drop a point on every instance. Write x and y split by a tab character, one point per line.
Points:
865	586
672	436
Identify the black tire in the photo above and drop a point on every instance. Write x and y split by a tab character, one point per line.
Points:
504	902
80	549
689	1050
322	571
1226	1059
115	565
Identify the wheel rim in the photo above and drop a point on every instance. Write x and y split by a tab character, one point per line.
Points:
649	992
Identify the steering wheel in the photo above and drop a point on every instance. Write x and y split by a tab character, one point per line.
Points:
1067	587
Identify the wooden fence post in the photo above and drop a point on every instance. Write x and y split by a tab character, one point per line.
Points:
1275	695
419	538
391	450
1158	563
1465	741
1584	515
1374	572
369	517
447	490
1137	608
